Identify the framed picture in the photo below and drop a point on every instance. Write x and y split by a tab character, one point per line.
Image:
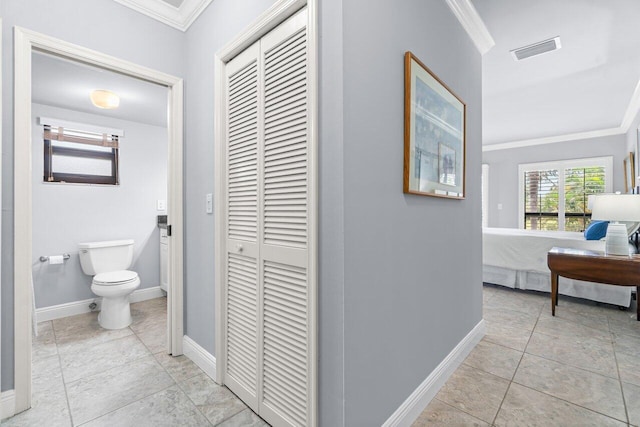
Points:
434	134
629	174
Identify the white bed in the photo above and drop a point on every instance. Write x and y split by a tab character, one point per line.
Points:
518	259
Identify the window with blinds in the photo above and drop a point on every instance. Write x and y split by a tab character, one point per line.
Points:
555	195
77	156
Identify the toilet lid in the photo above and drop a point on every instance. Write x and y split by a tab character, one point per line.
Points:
115	277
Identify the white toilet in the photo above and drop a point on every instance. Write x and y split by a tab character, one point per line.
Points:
108	263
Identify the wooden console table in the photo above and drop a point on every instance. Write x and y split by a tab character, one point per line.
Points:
592	266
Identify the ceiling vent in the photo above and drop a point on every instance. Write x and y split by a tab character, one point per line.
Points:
536	49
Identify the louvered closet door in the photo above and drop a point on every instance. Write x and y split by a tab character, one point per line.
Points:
269	299
242	257
286	397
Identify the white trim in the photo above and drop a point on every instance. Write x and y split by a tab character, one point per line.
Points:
561	165
473	24
632	109
7	404
79	126
411	408
201	357
59	311
180	18
555	139
25	42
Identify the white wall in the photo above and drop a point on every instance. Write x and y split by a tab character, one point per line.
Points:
503	170
67	214
103	25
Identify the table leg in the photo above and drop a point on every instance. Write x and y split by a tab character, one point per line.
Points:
554	292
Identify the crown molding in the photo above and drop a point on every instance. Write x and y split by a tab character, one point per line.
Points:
632	109
473	24
177	17
554	139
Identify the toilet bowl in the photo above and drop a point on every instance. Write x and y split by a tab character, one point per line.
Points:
114	288
108	263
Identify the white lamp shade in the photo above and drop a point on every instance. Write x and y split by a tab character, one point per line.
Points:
616	207
105	99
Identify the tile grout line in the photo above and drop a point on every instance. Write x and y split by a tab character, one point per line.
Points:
64	383
615	358
516	370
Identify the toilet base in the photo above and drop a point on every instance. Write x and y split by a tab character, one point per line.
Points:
115	312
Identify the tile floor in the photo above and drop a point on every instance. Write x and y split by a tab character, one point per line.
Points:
581	368
85	375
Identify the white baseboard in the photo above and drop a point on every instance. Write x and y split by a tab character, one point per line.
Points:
201	357
79	307
411	408
7	404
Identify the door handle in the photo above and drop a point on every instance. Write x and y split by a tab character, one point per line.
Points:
239	247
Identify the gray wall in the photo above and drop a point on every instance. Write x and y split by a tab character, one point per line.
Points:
67	214
503	170
412	264
103	25
220	23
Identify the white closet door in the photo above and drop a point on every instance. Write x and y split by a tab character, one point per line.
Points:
269	307
286	394
242	262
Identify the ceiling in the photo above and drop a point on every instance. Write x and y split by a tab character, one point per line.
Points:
586	86
67	84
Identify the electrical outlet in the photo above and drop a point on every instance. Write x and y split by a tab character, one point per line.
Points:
162	205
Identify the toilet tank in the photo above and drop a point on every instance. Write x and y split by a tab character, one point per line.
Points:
102	257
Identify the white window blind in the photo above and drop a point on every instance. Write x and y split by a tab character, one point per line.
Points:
554	195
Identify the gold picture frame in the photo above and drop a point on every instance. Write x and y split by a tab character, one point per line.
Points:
434	134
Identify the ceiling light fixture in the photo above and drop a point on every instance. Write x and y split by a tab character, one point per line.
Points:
536	49
105	99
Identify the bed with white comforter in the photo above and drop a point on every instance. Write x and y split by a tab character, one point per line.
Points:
518	259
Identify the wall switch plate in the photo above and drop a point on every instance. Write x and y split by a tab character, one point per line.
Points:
162	205
209	203
499	206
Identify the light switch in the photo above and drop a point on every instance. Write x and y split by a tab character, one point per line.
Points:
162	205
209	203
499	206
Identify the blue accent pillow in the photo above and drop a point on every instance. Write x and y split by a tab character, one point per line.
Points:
596	230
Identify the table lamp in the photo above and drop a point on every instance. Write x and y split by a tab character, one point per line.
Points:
614	208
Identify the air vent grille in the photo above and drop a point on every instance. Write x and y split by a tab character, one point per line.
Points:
536	49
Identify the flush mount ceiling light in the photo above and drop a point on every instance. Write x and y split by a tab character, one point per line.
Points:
536	49
105	99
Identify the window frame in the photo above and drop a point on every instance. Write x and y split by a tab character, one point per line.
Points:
561	166
51	150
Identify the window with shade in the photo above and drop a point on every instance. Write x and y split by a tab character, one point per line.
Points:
554	196
77	156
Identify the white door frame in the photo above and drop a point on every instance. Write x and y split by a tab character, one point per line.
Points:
276	14
25	42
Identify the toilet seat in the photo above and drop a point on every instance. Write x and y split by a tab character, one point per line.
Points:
114	278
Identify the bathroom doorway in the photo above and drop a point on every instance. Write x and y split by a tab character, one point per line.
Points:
34	51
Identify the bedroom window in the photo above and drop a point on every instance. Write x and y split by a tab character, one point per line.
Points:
485	195
554	195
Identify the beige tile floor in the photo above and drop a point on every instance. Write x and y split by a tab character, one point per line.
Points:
580	368
85	375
